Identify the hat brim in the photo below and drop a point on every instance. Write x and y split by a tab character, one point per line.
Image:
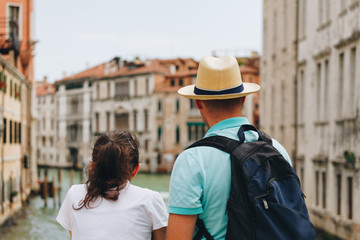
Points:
188	92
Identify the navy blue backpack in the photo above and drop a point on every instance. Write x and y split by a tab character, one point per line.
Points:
266	201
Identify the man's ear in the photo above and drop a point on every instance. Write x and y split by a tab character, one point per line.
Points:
135	171
199	104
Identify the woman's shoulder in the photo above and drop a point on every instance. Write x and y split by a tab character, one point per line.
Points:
77	190
144	192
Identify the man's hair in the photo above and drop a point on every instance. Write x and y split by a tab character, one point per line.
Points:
224	104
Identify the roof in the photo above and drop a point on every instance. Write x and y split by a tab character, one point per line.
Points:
245	69
96	71
44	88
151	66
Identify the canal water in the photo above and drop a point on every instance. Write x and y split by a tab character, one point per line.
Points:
37	222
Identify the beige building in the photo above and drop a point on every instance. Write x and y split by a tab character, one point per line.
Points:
311	102
178	122
46	116
15	166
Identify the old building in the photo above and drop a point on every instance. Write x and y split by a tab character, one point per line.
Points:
73	104
177	120
17	169
46	112
249	68
310	102
140	96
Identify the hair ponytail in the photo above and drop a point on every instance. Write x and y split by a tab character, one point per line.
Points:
114	157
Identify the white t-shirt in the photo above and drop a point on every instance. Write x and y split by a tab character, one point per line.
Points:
135	215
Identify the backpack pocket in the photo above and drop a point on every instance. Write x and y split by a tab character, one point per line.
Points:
281	212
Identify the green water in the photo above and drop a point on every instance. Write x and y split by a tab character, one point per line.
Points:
37	222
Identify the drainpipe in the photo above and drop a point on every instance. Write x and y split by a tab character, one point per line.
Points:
294	157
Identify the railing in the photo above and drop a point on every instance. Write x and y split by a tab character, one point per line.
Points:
6	41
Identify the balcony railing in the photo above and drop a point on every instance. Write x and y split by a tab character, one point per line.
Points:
8	41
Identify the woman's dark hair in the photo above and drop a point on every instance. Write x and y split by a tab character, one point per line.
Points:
114	157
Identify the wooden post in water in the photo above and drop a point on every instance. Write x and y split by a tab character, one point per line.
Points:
45	187
72	175
60	175
53	191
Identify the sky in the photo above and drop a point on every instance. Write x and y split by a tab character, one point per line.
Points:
74	35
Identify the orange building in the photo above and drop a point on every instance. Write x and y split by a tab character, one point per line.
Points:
16	43
249	68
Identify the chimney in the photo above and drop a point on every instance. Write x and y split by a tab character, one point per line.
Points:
45	79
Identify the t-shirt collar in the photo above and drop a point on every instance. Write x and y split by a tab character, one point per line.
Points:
227	123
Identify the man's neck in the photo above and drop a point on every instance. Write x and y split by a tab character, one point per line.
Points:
218	118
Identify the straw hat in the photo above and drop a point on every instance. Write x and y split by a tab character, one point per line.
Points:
218	78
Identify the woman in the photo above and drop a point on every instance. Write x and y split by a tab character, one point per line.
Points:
108	206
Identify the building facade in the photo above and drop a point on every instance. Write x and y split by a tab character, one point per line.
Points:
17	170
317	104
46	115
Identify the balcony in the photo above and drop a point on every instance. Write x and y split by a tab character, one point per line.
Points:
10	41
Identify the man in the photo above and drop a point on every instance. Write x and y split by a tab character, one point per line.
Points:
200	181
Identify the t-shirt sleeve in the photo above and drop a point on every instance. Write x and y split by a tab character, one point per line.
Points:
159	213
186	185
64	216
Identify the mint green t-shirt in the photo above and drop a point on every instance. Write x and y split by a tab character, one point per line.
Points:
200	180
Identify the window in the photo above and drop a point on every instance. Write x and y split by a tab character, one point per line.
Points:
326	89
338	187
4	131
324	12
122	89
350	197
107	121
14	21
323	189
122	121
192	104
147	86
177	135
146	145
172	82
318	91
15	132
19	132
97	124
108	90
284	37
146	119
181	82
135	119
11	88
340	84
274	31
135	87
10	132
302	14
177	105
159	133
98	91
74	105
301	96
159	106
352	84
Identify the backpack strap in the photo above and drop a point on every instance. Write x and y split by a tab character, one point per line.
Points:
202	231
220	142
246	127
